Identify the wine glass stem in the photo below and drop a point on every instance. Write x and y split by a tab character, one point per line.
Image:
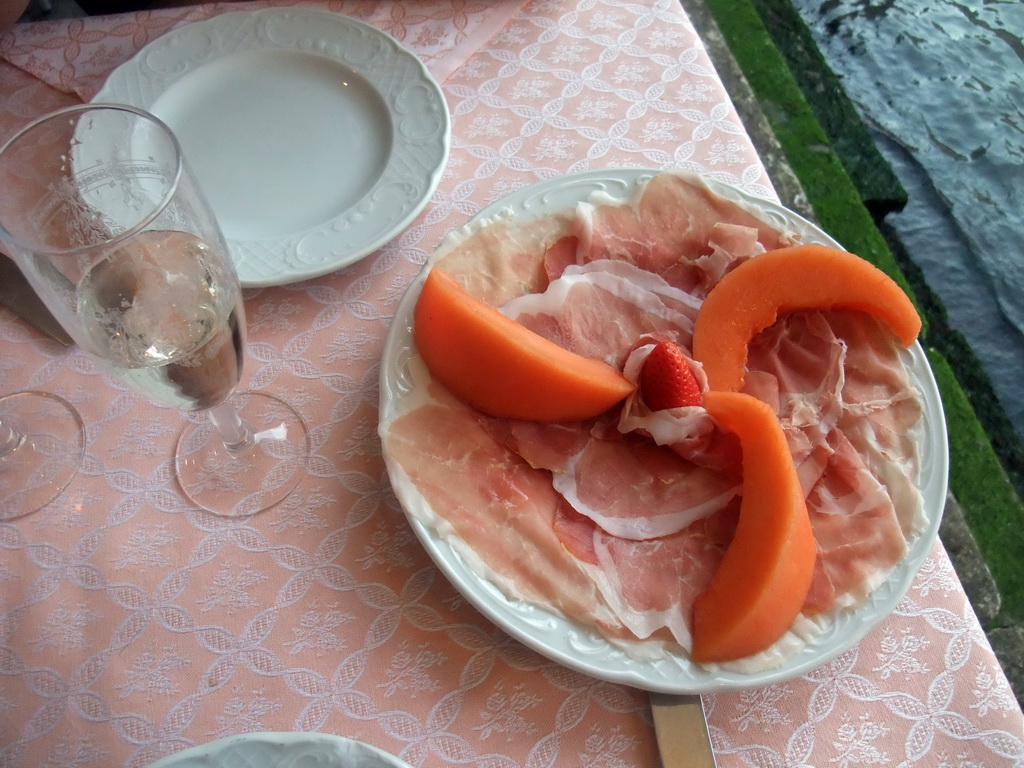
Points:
238	437
10	440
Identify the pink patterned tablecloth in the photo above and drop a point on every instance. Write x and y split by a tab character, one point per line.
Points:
133	625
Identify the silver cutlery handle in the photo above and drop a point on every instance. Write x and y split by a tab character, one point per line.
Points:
682	731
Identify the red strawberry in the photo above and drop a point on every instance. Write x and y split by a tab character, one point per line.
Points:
666	380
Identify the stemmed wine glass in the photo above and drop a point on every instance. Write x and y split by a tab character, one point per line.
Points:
105	219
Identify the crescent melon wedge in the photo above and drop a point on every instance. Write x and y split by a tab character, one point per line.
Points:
755	294
503	368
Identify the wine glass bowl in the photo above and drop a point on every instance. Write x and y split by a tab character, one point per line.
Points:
111	229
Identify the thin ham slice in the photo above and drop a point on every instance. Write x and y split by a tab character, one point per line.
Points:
669	230
803	360
855	526
601	308
627	485
652	602
882	411
496	510
635	489
504	259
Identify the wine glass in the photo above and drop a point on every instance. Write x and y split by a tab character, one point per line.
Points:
42	440
104	217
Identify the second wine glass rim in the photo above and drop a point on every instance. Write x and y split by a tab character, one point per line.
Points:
139	226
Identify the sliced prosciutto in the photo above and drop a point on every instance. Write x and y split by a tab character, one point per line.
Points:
637	490
672	229
848	410
652	601
627	485
601	309
497	510
619	522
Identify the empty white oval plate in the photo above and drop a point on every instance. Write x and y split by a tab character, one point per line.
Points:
275	750
315	137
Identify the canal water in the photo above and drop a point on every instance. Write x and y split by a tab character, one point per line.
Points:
940	84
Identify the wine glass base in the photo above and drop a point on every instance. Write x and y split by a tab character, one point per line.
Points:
37	466
241	483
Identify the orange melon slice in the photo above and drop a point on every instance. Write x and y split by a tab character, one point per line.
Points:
501	367
753	296
763	579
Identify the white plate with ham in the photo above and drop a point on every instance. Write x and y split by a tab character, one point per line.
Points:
589	541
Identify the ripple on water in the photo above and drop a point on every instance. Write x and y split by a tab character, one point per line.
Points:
943	83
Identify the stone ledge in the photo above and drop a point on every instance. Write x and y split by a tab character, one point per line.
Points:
791	193
1008	644
968	563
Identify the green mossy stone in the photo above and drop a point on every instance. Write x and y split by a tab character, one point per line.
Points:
877	185
991	506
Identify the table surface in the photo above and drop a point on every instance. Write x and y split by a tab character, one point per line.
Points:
134	625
